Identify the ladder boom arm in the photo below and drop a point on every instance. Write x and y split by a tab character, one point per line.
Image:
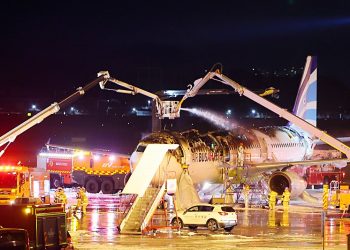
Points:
52	109
312	130
133	90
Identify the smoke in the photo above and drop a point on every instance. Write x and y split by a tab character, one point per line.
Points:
214	118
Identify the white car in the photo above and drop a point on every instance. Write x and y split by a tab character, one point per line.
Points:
211	216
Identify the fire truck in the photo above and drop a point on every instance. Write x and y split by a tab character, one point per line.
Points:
45	223
20	181
95	170
323	174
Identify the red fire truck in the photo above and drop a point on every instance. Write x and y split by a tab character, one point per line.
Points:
323	174
20	181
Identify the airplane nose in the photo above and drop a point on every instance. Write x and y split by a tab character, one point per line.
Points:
134	160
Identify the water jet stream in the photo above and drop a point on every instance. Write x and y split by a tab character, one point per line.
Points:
214	118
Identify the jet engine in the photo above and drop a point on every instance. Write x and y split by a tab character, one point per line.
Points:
280	180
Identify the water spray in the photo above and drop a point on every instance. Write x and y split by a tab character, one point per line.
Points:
214	118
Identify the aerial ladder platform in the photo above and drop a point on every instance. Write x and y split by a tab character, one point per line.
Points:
139	184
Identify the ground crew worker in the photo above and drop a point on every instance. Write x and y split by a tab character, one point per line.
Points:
240	155
286	198
272	199
84	200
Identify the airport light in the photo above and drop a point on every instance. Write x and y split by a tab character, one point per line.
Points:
253	111
33	106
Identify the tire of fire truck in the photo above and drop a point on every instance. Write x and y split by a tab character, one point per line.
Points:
107	186
55	181
92	186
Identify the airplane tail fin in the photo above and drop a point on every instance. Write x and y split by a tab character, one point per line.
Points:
306	102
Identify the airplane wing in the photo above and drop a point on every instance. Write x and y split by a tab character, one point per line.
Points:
340	163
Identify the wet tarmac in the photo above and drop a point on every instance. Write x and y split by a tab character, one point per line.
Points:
299	228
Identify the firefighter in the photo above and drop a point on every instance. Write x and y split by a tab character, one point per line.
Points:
60	196
240	155
78	197
84	200
286	198
272	199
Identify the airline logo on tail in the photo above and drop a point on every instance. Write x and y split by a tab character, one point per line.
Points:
306	103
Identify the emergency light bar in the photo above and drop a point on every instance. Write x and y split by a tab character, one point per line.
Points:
10	168
58	155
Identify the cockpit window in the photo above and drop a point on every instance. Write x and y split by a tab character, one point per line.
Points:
141	148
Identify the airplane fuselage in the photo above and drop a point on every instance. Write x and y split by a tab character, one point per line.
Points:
205	155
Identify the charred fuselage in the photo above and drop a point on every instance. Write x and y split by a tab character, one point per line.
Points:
206	155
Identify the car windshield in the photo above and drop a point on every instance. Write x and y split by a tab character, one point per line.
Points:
8	180
227	209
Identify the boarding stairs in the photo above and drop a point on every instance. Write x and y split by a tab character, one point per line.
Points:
148	197
142	210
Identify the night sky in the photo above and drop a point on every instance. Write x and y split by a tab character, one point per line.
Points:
49	48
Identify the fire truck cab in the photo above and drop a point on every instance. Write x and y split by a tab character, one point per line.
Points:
20	181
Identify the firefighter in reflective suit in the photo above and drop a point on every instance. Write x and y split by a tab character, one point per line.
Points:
60	196
272	199
78	197
286	198
82	200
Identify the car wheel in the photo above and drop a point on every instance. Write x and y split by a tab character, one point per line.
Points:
192	227
212	225
228	229
177	223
